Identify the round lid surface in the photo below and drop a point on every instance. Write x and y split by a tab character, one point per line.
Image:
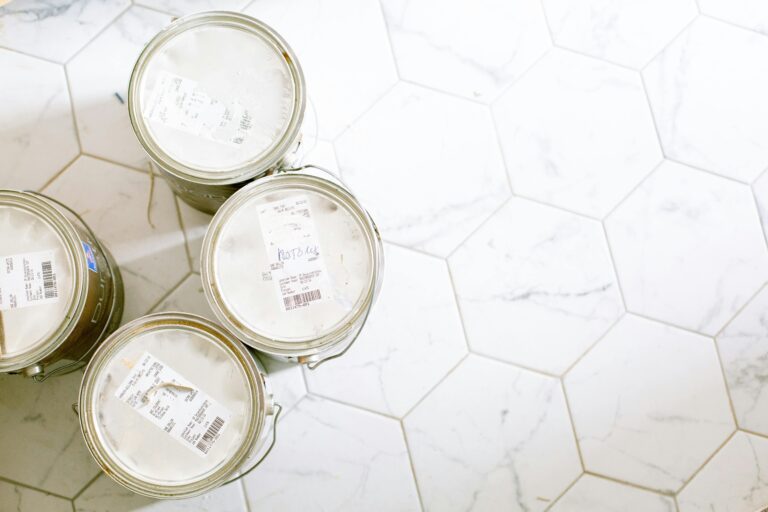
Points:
291	262
218	97
36	282
171	404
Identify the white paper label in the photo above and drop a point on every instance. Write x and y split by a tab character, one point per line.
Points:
295	259
28	280
174	404
182	104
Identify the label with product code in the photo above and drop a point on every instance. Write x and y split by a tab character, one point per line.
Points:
295	259
28	280
181	103
174	404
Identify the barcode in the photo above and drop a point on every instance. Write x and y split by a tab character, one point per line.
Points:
301	299
49	281
205	443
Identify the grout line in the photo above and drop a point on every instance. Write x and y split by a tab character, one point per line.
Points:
457	303
90	482
635	188
59	173
555	206
183	232
357	118
33	488
514	365
168	293
412	465
670	43
547	23
241	482
761	222
603	60
97	34
668	494
115	162
708	459
502	153
565	491
707	171
431	389
31	56
614	267
444	92
485	221
592	346
349	404
72	110
157	10
677	505
414	250
733	24
669	324
753	433
741	309
725	383
504	90
74	509
572	423
385	22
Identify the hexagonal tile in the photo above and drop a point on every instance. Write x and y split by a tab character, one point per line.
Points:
649	404
113	201
752	14
343	49
340	458
427	166
99	77
707	92
40	436
55	30
106	495
450	54
688	248
577	132
743	348
21	498
36	121
189	6
538	292
286	380
760	188
403	350
733	481
625	32
492	437
593	494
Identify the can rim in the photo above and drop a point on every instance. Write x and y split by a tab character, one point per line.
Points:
299	347
247	170
47	212
257	412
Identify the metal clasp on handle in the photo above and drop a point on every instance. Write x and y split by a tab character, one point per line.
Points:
76	365
271	445
315	365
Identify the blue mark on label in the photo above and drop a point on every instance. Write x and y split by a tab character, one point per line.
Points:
90	257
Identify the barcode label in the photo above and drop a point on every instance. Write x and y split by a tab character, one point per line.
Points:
295	257
301	299
174	404
49	281
210	435
28	280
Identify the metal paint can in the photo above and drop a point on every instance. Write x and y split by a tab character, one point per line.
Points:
292	265
60	290
216	99
172	406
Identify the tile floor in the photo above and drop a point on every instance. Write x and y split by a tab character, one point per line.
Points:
575	315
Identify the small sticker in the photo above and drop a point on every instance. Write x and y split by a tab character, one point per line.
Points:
174	404
28	280
90	258
295	259
181	103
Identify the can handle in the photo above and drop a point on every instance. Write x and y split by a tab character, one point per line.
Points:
316	364
75	365
271	445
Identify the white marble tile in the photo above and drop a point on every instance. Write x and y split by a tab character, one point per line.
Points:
743	348
40	436
752	14
577	132
104	495
403	350
333	457
21	499
427	165
492	437
38	133
343	49
760	189
688	248
99	74
707	93
55	29
183	7
538	292
733	481
286	380
649	404
195	225
625	31
593	494
450	53
113	201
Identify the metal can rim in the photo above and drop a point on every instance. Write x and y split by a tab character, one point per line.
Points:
256	421
250	169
